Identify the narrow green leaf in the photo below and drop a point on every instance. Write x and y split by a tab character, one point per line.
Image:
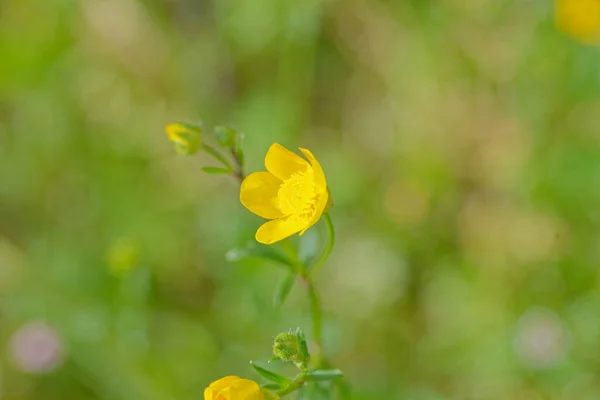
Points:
271	385
216	170
324	375
255	251
272	376
283	289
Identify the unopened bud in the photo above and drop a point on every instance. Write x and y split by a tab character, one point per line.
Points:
226	136
286	347
185	137
292	347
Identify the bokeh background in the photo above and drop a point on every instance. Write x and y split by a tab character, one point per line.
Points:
460	140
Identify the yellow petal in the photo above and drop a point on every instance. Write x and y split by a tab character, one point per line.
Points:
283	163
245	389
279	229
322	202
259	194
319	175
212	391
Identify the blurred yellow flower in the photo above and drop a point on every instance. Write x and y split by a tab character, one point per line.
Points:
233	388
123	256
293	194
579	18
185	137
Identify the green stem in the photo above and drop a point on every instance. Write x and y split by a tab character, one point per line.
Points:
330	243
292	387
316	316
239	168
215	153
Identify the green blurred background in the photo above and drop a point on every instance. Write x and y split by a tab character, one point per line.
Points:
460	141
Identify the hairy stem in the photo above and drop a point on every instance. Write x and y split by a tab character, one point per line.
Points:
292	387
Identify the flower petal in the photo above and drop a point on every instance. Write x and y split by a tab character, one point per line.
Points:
283	163
259	194
318	170
279	229
245	389
319	210
212	392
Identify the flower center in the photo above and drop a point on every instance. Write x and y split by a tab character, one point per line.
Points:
298	195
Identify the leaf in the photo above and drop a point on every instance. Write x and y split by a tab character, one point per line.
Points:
271	385
283	289
323	375
216	170
254	251
270	375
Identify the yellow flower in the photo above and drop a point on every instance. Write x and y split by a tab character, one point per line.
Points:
123	256
185	137
293	194
579	18
234	388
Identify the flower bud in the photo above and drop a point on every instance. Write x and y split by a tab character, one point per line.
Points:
286	347
226	136
292	347
185	137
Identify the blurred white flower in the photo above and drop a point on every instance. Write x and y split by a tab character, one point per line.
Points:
36	347
541	339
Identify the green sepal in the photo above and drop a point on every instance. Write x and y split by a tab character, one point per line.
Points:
252	250
323	375
216	170
283	289
270	375
302	346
